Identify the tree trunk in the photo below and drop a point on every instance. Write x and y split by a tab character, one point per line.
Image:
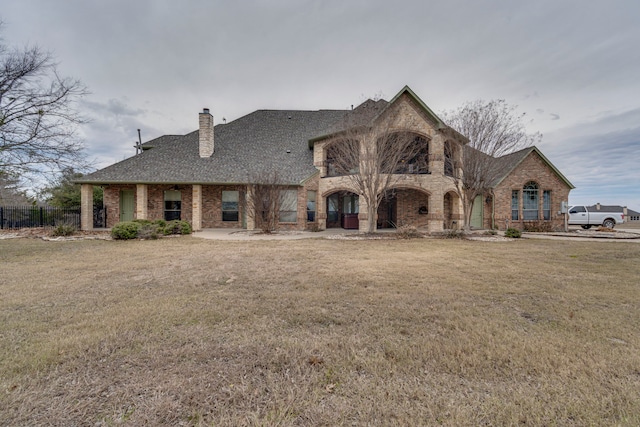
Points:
371	215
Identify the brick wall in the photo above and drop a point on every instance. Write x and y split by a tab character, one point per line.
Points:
533	168
111	200
212	206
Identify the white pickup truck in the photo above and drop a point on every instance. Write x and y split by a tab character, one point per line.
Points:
581	215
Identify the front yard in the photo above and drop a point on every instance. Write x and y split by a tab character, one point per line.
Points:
188	331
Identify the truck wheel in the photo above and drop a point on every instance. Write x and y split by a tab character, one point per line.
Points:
609	223
586	227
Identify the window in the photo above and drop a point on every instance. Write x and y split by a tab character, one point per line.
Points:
230	203
515	205
448	159
288	206
333	202
530	202
350	204
577	209
172	205
311	206
419	162
546	205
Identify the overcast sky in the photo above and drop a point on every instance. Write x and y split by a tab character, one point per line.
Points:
572	66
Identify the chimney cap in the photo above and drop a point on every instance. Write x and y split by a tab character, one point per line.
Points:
205	111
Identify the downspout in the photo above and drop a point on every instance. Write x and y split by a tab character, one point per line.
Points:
493	210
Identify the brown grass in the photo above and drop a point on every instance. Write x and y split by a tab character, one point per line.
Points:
413	332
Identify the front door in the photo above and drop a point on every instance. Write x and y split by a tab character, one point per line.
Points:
476	213
127	205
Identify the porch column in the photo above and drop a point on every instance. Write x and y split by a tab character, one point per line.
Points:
250	215
196	206
436	212
142	196
86	207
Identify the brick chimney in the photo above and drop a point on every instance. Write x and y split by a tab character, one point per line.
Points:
598	206
206	133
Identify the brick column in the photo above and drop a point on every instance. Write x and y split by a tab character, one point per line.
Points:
436	211
196	205
142	196
251	220
86	207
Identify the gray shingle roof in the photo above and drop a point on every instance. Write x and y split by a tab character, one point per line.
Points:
263	141
509	162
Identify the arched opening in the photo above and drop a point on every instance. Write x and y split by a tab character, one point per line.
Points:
449	159
415	159
403	206
451	208
342	210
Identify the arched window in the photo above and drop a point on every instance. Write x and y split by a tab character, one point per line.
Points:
530	201
416	157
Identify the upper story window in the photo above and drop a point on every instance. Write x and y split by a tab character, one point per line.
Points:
342	158
416	160
448	159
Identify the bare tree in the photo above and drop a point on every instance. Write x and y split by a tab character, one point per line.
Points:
38	119
264	200
10	192
493	129
370	152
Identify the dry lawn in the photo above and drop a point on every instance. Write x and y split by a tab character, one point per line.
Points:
185	331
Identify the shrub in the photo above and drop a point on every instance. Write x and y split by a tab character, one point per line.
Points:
538	226
177	227
126	230
453	234
513	233
63	230
407	232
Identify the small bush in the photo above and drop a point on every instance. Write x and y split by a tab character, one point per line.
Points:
177	227
126	230
407	232
315	228
453	234
63	230
538	226
514	233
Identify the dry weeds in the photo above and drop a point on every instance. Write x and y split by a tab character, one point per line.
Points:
318	332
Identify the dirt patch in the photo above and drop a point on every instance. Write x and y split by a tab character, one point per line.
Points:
45	234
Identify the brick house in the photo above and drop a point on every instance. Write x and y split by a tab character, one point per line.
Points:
204	177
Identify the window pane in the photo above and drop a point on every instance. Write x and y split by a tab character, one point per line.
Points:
546	204
530	202
230	203
288	206
172	195
311	206
515	205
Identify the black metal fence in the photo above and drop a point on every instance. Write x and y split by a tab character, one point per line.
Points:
38	216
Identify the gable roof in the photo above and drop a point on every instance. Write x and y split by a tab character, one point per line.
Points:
509	162
262	141
369	111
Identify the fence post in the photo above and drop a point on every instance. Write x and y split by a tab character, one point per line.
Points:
1	218
41	217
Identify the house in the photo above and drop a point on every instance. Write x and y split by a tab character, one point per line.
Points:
205	177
